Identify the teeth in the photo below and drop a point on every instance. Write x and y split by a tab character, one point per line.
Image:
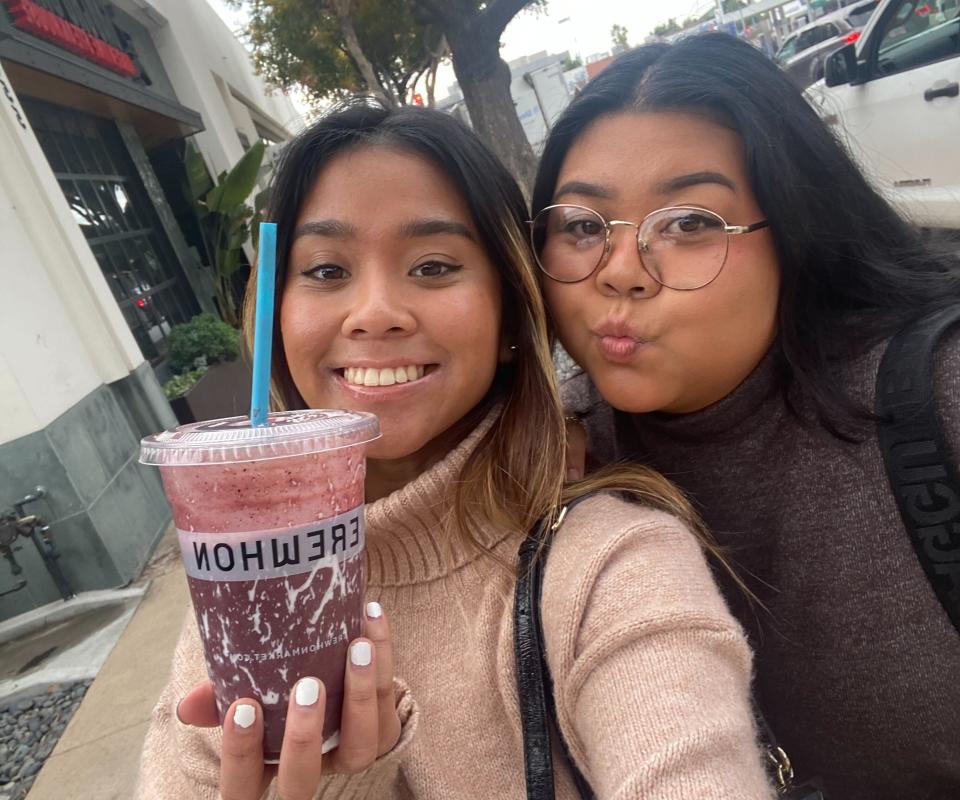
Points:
371	376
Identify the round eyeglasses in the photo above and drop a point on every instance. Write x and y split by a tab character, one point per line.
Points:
681	247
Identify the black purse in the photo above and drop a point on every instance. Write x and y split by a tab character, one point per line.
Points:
538	711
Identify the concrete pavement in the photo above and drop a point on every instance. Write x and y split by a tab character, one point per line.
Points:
98	755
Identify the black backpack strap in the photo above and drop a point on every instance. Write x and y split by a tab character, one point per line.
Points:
535	687
924	479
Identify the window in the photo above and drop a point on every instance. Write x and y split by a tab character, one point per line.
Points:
916	34
859	15
788	50
109	203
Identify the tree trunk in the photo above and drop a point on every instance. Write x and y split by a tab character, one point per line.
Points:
431	83
377	89
485	82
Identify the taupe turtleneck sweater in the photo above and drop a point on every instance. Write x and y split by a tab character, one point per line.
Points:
651	672
858	666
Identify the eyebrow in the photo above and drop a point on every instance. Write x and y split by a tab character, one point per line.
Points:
585	189
668	186
679	182
434	226
332	228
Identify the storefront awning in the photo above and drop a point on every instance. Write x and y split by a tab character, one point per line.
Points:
38	70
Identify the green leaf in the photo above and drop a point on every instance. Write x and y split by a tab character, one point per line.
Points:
198	179
239	182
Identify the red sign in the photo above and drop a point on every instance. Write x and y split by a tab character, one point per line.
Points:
47	25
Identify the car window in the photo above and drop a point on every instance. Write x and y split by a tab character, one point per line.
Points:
858	15
788	49
829	31
918	33
807	39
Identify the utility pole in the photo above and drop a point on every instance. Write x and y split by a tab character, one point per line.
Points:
719	12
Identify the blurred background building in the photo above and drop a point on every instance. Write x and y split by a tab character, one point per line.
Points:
101	102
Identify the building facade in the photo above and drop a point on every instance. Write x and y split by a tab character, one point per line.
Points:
99	100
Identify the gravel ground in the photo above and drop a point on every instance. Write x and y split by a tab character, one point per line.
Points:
29	730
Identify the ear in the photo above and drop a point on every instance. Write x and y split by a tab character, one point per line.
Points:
508	353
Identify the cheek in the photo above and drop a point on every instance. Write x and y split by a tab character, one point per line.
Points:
307	330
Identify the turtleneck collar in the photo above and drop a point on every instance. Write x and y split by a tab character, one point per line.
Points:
407	537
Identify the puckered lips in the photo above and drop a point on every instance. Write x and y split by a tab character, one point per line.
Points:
619	341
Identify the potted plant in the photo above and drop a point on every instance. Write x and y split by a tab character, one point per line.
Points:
212	379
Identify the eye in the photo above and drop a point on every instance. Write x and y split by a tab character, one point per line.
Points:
690	225
326	273
583	227
434	269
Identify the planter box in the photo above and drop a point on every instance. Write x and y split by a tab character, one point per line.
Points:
223	391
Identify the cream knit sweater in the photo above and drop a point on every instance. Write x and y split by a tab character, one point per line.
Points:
651	672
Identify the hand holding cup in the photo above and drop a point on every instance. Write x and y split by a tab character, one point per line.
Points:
369	727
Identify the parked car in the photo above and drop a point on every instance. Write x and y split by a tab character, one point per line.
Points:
803	52
894	95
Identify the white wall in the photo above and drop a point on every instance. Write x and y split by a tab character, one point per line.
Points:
61	332
212	74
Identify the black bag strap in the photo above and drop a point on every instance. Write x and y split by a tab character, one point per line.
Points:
924	479
537	706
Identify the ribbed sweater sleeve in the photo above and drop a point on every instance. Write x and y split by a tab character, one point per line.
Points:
628	593
182	762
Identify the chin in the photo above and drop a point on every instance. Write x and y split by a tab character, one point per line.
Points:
633	399
397	441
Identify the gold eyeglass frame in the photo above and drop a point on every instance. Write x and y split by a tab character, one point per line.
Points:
730	230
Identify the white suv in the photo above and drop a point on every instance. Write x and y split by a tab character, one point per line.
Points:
895	95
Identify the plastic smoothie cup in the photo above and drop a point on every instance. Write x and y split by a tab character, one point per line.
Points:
271	527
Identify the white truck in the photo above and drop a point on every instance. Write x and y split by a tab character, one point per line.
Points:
894	95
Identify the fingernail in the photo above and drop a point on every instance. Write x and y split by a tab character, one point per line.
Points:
244	715
361	654
573	474
308	690
177	712
374	611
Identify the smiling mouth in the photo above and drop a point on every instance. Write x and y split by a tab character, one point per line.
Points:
385	376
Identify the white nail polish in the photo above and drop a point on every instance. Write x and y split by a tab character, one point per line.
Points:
244	715
308	690
374	611
361	654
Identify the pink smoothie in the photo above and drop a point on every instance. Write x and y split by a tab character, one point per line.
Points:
273	552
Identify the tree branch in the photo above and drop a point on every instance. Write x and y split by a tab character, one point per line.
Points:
342	10
499	13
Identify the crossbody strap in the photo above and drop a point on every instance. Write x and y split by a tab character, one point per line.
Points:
537	706
923	477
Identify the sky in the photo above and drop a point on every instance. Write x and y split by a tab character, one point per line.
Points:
585	32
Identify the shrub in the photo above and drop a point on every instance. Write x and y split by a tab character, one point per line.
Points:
180	384
203	341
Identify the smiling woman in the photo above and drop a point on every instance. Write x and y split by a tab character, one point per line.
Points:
407	289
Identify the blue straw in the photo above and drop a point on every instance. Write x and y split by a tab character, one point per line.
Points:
263	327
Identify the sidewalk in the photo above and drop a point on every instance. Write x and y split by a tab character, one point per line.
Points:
98	755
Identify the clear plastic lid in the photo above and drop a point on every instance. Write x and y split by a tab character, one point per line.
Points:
234	440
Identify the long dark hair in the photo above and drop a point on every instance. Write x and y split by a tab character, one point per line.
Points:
852	269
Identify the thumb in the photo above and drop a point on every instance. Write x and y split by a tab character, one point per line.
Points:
199	707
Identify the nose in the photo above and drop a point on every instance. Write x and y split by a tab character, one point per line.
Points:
621	273
376	309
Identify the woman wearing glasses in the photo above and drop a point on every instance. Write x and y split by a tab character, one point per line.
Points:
728	281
